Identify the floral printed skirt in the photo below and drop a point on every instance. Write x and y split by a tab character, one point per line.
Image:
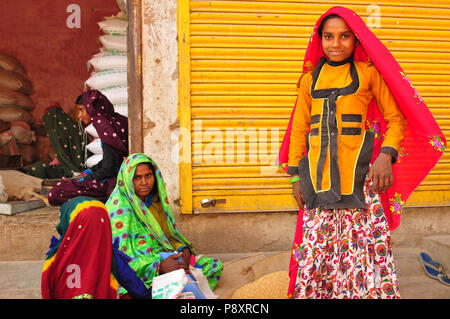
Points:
346	253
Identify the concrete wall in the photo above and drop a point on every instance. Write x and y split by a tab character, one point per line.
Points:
53	54
160	77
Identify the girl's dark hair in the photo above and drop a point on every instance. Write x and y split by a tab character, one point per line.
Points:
328	17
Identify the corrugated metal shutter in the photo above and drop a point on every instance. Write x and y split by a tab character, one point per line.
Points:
239	64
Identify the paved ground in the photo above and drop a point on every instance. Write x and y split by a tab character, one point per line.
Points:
21	279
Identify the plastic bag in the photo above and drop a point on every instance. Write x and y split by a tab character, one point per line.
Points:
116	94
114	26
169	285
109	60
122	109
107	78
94	159
115	42
95	147
90	129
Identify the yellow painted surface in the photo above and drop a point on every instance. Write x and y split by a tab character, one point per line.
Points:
239	65
184	113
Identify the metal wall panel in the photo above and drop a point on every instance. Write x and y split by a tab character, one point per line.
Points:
239	65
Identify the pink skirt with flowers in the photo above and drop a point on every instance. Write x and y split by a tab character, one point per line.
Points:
346	253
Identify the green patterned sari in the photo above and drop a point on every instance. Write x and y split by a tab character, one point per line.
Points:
141	237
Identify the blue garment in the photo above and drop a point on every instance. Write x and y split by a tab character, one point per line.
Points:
149	201
127	277
193	287
87	172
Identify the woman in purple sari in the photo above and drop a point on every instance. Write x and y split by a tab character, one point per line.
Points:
99	180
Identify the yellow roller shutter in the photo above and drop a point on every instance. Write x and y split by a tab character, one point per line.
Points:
239	64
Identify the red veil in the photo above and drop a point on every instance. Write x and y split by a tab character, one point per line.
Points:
423	144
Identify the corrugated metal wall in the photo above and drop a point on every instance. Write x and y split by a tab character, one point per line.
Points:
239	64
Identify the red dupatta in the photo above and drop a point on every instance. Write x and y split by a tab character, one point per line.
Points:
423	143
78	265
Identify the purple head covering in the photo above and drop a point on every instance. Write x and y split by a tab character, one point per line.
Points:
112	127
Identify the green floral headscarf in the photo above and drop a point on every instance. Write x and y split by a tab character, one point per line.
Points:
139	233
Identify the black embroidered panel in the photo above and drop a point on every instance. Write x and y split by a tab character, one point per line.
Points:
353	118
355	131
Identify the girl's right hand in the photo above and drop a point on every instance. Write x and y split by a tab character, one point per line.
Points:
298	194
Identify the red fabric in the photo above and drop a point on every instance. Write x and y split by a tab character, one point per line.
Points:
82	264
423	144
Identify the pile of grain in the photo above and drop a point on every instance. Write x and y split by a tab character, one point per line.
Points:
270	286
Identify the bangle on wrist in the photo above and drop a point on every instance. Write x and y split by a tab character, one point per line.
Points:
294	179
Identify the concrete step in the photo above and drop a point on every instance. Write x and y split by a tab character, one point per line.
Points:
26	236
439	248
21	279
412	279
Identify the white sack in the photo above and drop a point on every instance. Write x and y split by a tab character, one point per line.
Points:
114	42
114	26
95	147
116	94
107	78
90	129
94	159
109	60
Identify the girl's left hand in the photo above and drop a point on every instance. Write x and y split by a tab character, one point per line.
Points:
381	173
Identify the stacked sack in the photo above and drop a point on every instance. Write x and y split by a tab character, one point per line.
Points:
109	73
16	136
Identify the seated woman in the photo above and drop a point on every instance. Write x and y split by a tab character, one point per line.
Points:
99	181
143	222
83	263
67	141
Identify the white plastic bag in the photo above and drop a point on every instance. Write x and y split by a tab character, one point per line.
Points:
95	147
107	78
109	60
169	285
114	42
90	129
94	159
122	109
116	94
114	26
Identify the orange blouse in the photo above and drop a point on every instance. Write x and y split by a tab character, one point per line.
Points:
329	122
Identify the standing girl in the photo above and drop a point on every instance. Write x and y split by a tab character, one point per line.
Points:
355	117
